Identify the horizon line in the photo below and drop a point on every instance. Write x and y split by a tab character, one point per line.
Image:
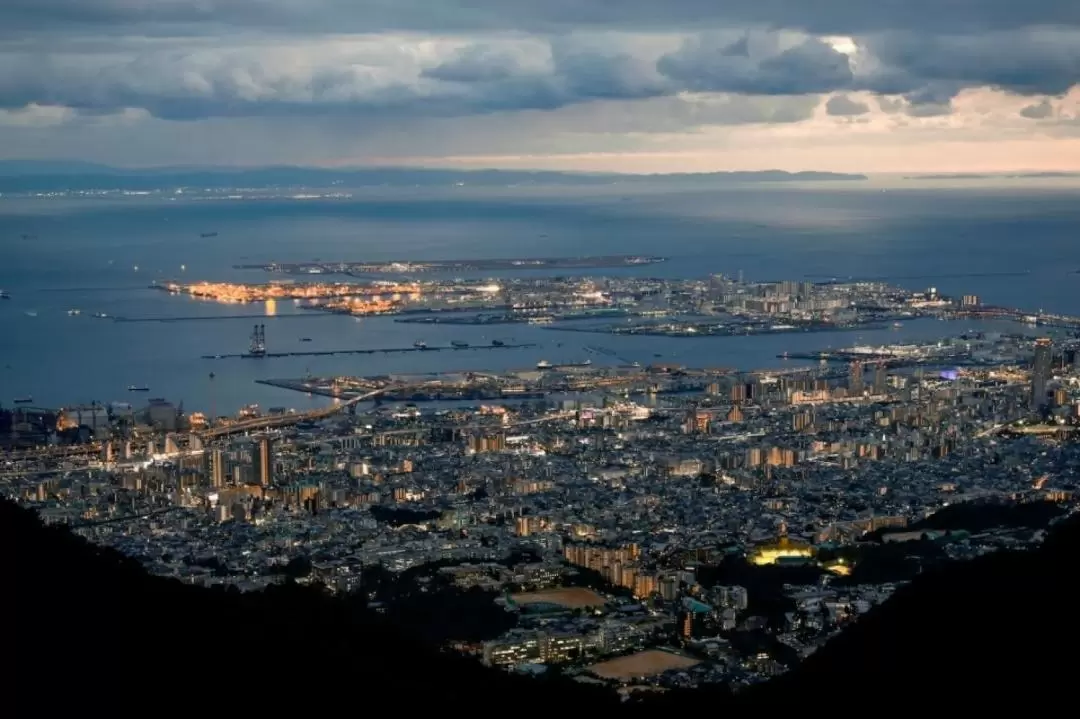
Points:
388	166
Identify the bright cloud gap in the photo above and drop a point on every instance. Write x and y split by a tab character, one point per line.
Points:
742	83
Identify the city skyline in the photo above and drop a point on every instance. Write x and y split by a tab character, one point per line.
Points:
628	524
573	355
685	87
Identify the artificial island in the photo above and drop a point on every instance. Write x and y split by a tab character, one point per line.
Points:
621	305
646	525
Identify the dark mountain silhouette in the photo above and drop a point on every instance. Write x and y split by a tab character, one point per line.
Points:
89	622
94	622
969	633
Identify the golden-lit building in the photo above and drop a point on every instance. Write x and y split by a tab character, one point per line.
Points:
479	444
839	568
527	526
784	548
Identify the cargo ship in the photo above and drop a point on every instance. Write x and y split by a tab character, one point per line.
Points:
305	339
459	345
544	364
24	400
207	234
138	388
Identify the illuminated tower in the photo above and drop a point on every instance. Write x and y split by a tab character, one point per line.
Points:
1040	371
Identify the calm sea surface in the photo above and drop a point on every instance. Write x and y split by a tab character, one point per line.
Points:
62	254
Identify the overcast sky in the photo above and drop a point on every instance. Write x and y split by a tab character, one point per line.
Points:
617	85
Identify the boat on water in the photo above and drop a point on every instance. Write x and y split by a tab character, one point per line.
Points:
305	339
544	364
897	325
138	388
208	234
497	343
73	313
459	345
420	345
4	295
24	400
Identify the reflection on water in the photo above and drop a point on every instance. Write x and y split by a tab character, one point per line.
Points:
61	359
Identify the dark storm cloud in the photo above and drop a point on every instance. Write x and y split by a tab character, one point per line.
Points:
929	70
615	74
388	76
1029	61
476	63
817	16
332	81
494	78
844	106
710	64
926	51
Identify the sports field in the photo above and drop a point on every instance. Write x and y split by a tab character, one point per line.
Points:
643	664
569	597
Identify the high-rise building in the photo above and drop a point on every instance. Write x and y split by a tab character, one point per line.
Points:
216	467
1040	371
881	379
262	461
480	443
855	379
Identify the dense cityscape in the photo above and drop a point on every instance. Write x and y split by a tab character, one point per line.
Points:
636	525
636	359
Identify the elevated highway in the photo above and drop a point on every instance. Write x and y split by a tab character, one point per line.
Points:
287	420
61	452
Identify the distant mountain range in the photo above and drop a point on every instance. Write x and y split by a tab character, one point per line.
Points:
34	176
993	176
